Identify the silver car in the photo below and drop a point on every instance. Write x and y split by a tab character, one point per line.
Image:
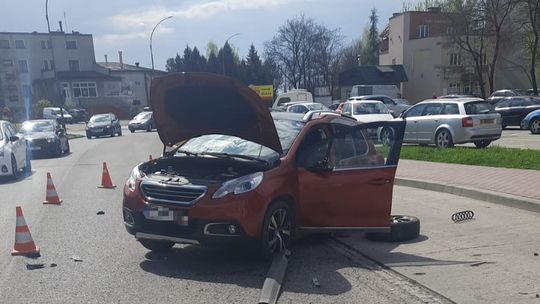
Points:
452	121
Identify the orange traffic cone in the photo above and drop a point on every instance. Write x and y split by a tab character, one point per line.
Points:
24	244
150	157
51	197
106	181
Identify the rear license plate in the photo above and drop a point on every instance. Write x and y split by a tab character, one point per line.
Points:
486	121
98	130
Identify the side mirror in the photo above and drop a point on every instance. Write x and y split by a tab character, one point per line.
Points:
14	138
321	166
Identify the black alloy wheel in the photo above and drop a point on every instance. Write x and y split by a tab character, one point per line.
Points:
278	229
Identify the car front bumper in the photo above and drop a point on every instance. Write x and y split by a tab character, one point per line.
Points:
42	146
137	126
99	131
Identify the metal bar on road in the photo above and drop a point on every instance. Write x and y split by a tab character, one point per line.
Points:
274	278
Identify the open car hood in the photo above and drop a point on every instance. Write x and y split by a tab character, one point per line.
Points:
188	105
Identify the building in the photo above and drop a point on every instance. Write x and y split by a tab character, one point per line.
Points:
420	41
61	67
370	75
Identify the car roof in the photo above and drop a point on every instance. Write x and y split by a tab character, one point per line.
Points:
451	100
287	115
370	96
363	101
38	120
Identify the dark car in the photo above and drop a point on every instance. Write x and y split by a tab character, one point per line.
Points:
78	115
514	109
142	121
239	174
102	125
45	137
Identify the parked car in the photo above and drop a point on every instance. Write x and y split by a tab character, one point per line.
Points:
293	96
45	137
532	122
243	175
306	107
56	114
78	115
394	107
514	109
142	121
452	121
367	110
456	96
13	153
103	124
500	95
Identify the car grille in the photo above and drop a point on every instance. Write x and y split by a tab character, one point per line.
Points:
170	194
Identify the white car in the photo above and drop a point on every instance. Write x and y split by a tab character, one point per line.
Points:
54	113
305	107
370	111
13	156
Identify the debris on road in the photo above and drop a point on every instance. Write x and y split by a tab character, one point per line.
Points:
76	258
35	266
536	254
274	278
53	265
419	273
462	216
480	263
100	212
316	282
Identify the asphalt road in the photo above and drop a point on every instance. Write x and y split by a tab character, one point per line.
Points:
117	269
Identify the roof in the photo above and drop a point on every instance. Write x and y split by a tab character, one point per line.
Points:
74	33
84	75
117	67
373	75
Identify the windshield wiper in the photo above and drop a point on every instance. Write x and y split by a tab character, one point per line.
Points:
188	153
227	155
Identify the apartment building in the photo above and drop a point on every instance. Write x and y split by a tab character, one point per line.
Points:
420	41
62	68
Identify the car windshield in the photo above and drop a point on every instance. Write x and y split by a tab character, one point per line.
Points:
316	107
216	143
478	107
37	126
142	116
370	108
100	118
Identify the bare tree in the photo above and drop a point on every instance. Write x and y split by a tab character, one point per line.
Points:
532	9
303	52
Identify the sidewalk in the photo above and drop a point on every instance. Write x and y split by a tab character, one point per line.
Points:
512	187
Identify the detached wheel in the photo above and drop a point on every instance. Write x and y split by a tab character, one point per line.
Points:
157	246
402	228
277	230
482	143
535	126
443	139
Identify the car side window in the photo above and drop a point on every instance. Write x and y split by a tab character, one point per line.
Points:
387	101
283	100
526	103
314	148
432	109
10	131
347	109
450	109
302	109
415	111
502	104
352	148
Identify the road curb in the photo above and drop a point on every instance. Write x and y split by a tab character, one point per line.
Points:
481	195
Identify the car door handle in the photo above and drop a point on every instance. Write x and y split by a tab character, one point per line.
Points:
379	181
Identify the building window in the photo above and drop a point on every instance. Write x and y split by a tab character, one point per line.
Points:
450	30
26	90
46	44
8	62
51	64
12	88
137	83
45	65
23	66
14	98
84	89
454	88
19	44
455	59
74	65
71	45
43	44
423	31
10	76
393	61
4	44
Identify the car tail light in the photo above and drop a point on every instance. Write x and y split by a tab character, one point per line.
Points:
466	122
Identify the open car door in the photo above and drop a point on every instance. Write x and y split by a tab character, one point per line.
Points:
346	172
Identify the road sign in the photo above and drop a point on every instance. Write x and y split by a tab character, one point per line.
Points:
266	92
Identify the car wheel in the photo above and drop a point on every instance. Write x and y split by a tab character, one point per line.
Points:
387	136
28	163
68	149
120	131
443	139
402	228
131	130
277	230
14	168
535	126
482	143
157	246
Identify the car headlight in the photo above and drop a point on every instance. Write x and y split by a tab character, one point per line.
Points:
240	185
108	127
132	180
51	139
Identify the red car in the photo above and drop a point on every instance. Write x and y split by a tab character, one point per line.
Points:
238	173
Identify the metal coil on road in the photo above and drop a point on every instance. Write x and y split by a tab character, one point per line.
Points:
462	216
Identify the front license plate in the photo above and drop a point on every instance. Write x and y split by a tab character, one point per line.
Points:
36	148
98	130
486	121
159	214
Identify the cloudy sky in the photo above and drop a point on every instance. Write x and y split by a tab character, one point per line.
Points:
126	24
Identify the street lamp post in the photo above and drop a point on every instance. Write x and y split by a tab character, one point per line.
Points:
55	85
223	57
151	50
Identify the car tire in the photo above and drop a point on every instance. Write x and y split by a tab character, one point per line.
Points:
278	228
149	128
443	139
28	162
402	228
157	246
131	130
387	136
120	132
481	144
535	126
68	149
14	168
